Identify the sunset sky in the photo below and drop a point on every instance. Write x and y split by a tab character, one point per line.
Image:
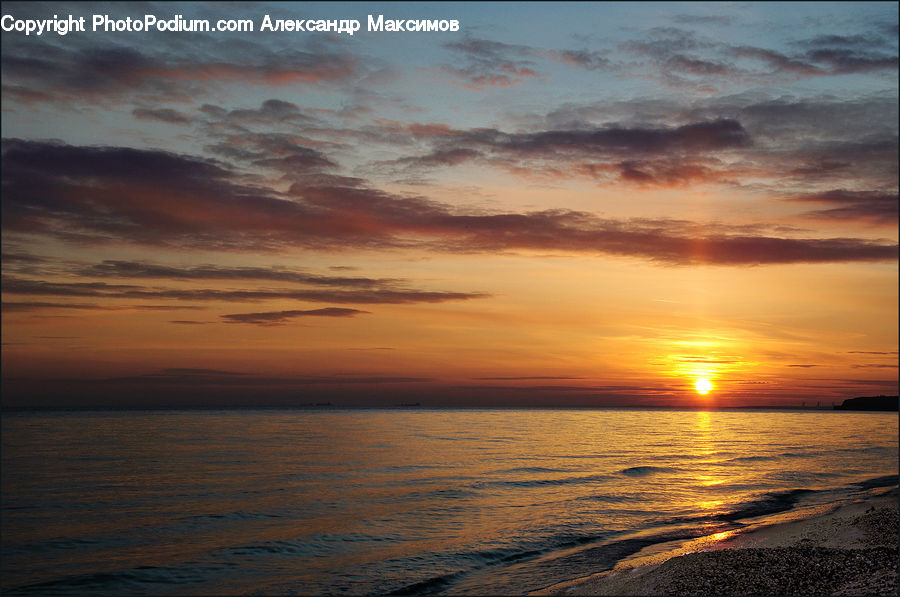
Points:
583	204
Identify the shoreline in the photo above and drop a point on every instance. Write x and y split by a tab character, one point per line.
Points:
848	549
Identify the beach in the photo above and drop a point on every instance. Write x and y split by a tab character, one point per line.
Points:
852	550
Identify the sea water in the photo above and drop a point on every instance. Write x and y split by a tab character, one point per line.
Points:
398	501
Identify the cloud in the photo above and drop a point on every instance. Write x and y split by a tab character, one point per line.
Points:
491	64
682	58
11	306
846	60
698	136
660	155
98	72
138	269
14	285
828	55
876	206
438	158
697	66
778	62
96	195
793	144
707	360
270	111
280	151
525	378
166	115
664	241
863	42
587	59
270	318
200	377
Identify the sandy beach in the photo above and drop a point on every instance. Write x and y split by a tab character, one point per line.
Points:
852	550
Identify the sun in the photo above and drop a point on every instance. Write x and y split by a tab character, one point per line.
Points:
703	385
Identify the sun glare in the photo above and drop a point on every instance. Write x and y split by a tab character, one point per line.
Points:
703	386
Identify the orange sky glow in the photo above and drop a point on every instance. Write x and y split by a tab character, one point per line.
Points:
665	208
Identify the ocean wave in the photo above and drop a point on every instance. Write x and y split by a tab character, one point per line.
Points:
769	503
238	515
450	493
137	580
640	471
541	482
617	498
429	586
752	458
885	481
531	469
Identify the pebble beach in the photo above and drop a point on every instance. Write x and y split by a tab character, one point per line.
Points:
852	550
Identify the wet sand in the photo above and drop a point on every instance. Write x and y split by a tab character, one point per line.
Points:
850	551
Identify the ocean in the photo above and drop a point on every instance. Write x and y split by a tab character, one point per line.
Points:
401	501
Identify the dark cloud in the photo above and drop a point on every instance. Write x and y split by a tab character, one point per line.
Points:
104	194
269	318
110	71
565	389
489	63
166	115
697	66
137	269
89	194
778	62
681	57
19	93
590	60
879	207
665	172
700	136
438	158
271	111
282	151
275	135
15	260
709	360
525	378
850	41
11	306
101	290
795	143
14	285
841	54
215	377
844	60
676	151
827	55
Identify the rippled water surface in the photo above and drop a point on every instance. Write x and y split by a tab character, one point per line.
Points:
402	501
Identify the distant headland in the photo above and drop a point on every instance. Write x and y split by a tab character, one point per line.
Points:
869	403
